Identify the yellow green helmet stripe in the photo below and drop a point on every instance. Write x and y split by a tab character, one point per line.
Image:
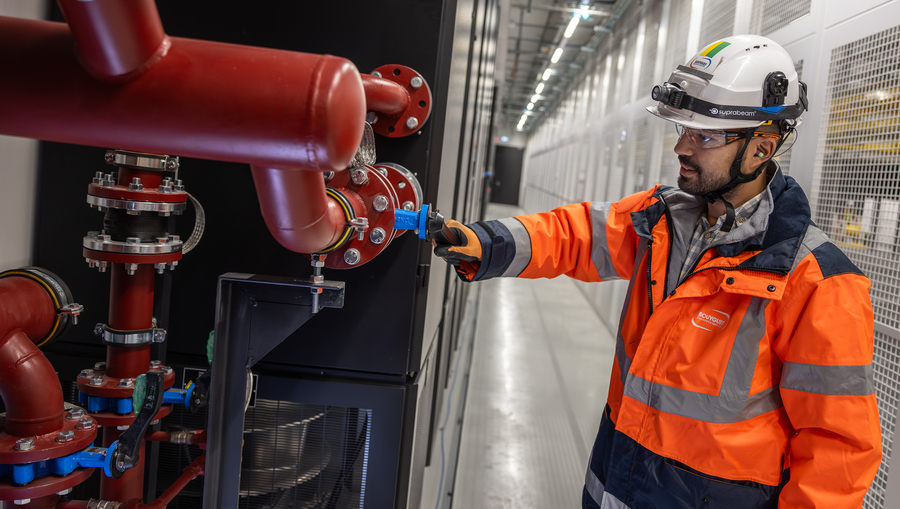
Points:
715	48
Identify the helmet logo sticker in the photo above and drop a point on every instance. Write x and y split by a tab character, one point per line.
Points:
701	63
741	113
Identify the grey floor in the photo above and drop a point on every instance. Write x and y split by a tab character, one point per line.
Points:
538	383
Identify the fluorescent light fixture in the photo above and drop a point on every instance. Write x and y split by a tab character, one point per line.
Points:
556	55
523	119
535	98
584	11
571	28
530	106
547	74
539	88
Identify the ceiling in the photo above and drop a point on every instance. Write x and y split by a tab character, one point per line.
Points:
537	28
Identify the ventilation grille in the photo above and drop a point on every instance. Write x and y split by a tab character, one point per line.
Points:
676	45
718	20
857	200
771	15
651	44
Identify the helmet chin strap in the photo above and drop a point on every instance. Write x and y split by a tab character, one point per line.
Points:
737	178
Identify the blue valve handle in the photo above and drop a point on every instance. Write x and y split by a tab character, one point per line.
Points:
91	457
179	396
408	220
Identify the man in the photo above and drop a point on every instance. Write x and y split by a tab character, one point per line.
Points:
743	374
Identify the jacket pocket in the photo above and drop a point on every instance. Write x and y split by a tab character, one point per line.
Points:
693	488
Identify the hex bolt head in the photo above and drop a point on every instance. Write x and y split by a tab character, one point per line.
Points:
100	366
98	331
22	501
155	364
86	423
359	176
64	492
168	371
102	267
136	185
171	164
109	157
409	206
86	373
131	268
126	382
122	428
371	117
74	414
328	175
415	82
378	236
65	436
376	74
412	123
380	203
160	267
172	265
25	444
96	380
133	241
352	256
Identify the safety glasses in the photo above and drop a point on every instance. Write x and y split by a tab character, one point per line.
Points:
715	138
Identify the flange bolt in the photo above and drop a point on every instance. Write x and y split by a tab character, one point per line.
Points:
377	236
408	205
100	366
86	373
74	414
412	123
351	256
131	268
86	423
109	157
416	82
155	364
22	501
359	176
65	436
380	203
126	382
136	185
376	74
25	444
371	117
96	380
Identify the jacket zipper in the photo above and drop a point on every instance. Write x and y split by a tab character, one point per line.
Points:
650	277
669	259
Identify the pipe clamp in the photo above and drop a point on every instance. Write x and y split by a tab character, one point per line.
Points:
130	338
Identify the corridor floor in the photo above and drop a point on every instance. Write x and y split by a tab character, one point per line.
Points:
539	380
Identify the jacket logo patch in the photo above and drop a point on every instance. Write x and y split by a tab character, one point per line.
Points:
710	321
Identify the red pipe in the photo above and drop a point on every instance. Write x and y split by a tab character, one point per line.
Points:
384	96
29	388
204	99
130	308
116	41
194	470
72	504
296	209
25	305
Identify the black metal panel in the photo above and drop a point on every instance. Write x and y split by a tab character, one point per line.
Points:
507	175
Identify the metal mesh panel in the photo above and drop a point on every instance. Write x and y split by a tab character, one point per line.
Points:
668	172
718	20
784	160
651	42
770	15
676	43
637	179
857	198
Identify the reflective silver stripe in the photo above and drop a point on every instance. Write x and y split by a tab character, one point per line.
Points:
855	380
622	358
813	238
523	246
592	484
611	502
599	214
733	403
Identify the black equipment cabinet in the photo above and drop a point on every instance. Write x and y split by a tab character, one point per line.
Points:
387	351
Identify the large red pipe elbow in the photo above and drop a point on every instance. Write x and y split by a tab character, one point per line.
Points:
116	40
25	305
384	96
29	388
296	209
203	99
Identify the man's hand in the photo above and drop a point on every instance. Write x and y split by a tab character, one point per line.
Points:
468	248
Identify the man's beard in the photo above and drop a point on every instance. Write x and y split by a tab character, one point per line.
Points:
703	182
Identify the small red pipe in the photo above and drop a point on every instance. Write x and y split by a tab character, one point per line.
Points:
384	96
296	209
72	504
25	305
203	99
194	470
29	388
116	41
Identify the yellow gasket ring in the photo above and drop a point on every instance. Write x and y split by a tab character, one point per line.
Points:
348	213
56	305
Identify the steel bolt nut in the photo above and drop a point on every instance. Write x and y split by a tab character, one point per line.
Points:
97	380
415	82
74	414
378	236
359	176
136	185
126	382
22	501
64	492
352	256
155	364
98	331
408	205
25	444
133	240
371	117
168	371
100	366
86	423
160	267
376	74
412	123
86	373
380	203
328	175
65	436
102	267
171	164
131	268
109	157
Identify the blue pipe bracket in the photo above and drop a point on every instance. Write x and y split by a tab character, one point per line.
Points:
24	473
96	404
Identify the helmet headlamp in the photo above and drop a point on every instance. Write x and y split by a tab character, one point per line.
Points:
668	93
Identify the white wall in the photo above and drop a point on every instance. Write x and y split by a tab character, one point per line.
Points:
18	168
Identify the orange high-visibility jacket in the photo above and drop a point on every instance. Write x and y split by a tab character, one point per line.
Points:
747	384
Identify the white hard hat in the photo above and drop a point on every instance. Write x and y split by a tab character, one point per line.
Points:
739	82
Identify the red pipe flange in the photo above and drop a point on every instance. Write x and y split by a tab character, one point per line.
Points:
405	183
44	486
379	201
397	115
